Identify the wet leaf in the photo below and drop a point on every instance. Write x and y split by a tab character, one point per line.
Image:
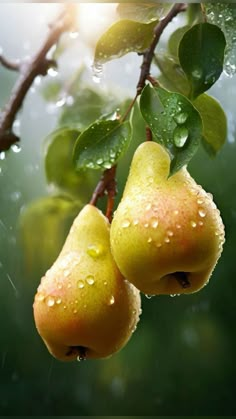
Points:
102	144
173	76
201	55
175	123
143	12
214	121
85	108
59	167
224	15
121	38
175	38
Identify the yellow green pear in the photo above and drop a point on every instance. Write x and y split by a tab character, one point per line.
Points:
84	308
167	234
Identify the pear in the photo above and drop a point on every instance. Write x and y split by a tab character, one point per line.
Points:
166	234
84	308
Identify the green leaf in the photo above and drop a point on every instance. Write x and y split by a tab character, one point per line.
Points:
143	12
214	121
102	144
224	15
175	38
175	123
59	167
121	38
173	75
87	106
201	55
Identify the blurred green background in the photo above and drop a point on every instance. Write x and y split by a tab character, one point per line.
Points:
181	359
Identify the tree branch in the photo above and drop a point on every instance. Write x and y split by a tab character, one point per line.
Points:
37	65
107	182
149	53
10	65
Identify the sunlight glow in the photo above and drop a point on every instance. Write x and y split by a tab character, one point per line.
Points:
94	18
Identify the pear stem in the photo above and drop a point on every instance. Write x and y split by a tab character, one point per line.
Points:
148	134
107	184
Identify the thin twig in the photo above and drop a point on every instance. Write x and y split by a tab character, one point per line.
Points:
10	65
37	65
149	53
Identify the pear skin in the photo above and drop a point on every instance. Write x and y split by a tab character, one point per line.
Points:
84	308
167	234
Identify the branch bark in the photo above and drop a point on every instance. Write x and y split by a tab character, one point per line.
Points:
37	65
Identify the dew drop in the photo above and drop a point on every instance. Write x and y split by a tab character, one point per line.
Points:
16	148
197	73
52	72
167	240
50	301
80	284
58	301
180	136
97	72
154	223
170	233
39	297
94	250
125	223
111	300
193	224
90	279
181	118
202	213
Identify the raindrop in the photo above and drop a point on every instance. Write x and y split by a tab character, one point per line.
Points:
105	282
50	301
200	201
15	196
80	284
197	73
176	212
125	223
111	300
99	161
94	250
61	102
90	279
200	223
107	165
180	136
135	222
2	155
59	286
75	311
154	223
58	301
167	240
193	224
66	272
149	240
97	72
202	213
146	225
39	297
181	118
148	207
170	233
16	130
52	71
149	296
